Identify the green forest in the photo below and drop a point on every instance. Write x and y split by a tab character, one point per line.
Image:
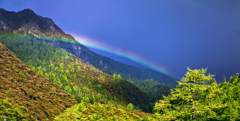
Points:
103	97
49	75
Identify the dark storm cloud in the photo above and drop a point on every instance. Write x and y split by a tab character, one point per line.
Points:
173	33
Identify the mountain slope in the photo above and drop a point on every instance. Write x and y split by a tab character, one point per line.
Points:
118	58
111	66
44	47
16	22
27	22
12	112
83	81
20	85
101	112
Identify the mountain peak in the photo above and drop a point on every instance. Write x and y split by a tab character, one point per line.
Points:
3	10
27	21
27	11
24	11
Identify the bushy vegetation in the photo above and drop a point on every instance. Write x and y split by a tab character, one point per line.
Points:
199	97
84	82
22	86
70	74
9	112
100	112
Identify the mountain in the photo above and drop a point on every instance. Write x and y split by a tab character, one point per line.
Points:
20	85
71	74
43	78
27	22
89	86
74	68
118	58
16	22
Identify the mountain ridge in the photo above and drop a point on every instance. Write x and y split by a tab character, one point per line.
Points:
45	76
36	25
16	22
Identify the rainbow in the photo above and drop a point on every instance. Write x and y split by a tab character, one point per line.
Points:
80	39
120	52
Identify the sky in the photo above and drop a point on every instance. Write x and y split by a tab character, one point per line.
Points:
172	34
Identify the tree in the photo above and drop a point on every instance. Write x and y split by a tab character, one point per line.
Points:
117	77
130	107
231	97
196	97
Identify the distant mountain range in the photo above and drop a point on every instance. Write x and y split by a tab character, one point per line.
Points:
27	22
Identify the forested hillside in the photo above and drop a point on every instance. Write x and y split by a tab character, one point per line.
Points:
71	74
28	22
36	98
45	75
197	97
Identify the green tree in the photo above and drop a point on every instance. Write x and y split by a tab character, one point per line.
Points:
196	98
117	77
231	98
130	107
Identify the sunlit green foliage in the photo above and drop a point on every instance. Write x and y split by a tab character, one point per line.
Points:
199	97
99	112
231	97
117	77
130	107
9	112
84	82
68	73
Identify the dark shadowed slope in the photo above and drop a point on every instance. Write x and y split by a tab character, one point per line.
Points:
20	85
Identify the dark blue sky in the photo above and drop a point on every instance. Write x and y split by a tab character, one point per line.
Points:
173	33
